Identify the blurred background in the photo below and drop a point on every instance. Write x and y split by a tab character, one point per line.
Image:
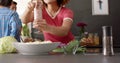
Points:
83	13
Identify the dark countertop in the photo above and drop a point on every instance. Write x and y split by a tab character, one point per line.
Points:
93	55
59	58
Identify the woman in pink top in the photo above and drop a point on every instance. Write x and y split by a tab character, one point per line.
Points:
56	23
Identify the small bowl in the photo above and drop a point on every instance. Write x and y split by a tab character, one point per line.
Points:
35	48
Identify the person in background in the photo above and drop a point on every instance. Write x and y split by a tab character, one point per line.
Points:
10	24
56	23
13	6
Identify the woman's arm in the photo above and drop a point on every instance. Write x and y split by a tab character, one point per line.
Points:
28	15
59	31
66	25
62	30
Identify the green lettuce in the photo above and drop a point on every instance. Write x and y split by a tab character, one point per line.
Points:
6	44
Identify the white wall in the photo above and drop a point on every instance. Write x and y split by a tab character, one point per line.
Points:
21	5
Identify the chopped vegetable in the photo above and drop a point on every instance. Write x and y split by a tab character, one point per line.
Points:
6	45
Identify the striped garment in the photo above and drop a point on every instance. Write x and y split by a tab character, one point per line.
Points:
10	24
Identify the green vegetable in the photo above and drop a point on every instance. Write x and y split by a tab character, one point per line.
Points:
58	50
6	44
81	49
71	47
25	30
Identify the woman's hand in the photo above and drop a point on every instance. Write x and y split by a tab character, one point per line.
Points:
28	15
40	25
31	6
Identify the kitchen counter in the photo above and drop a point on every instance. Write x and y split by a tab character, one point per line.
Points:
92	55
60	58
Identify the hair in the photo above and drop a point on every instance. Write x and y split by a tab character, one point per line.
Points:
14	2
62	2
5	3
59	2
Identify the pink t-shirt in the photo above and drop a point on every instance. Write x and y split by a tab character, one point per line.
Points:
63	13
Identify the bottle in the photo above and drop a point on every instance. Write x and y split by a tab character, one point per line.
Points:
90	39
96	39
107	41
38	10
37	13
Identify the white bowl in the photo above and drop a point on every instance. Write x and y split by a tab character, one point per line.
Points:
35	49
